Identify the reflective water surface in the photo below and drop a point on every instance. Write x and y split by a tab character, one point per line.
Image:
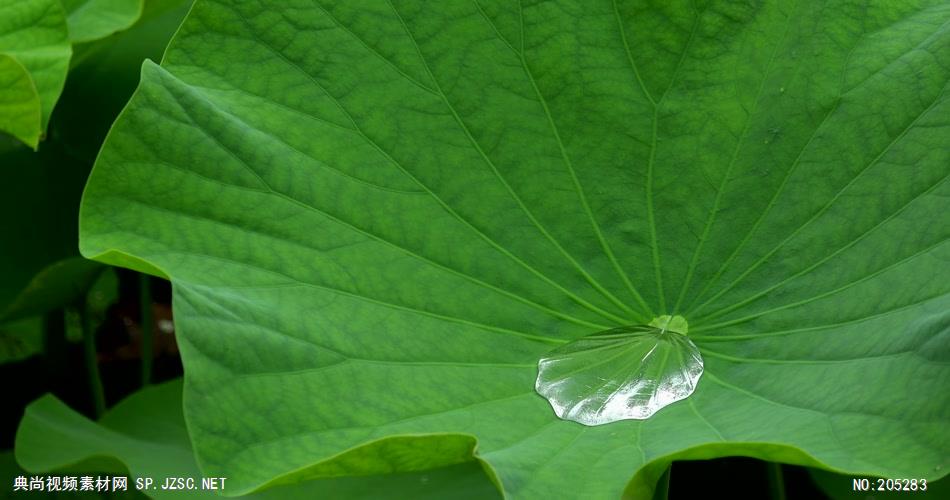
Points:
624	373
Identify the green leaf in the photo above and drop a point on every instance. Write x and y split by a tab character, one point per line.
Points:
40	191
19	102
10	470
33	37
145	435
93	19
103	293
35	52
61	283
20	339
379	216
69	283
104	74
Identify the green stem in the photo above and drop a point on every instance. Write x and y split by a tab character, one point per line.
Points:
148	340
662	491
91	357
776	481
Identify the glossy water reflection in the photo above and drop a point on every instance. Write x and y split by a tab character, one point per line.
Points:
624	373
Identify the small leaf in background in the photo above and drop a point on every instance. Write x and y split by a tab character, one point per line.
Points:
64	282
145	435
103	293
93	19
20	110
40	191
70	283
9	470
20	339
33	33
36	38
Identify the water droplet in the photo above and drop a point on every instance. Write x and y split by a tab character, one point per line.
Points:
624	373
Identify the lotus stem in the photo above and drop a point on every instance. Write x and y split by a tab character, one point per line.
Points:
662	491
91	358
776	481
145	323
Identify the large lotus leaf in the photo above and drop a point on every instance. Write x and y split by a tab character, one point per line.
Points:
145	436
378	216
34	47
